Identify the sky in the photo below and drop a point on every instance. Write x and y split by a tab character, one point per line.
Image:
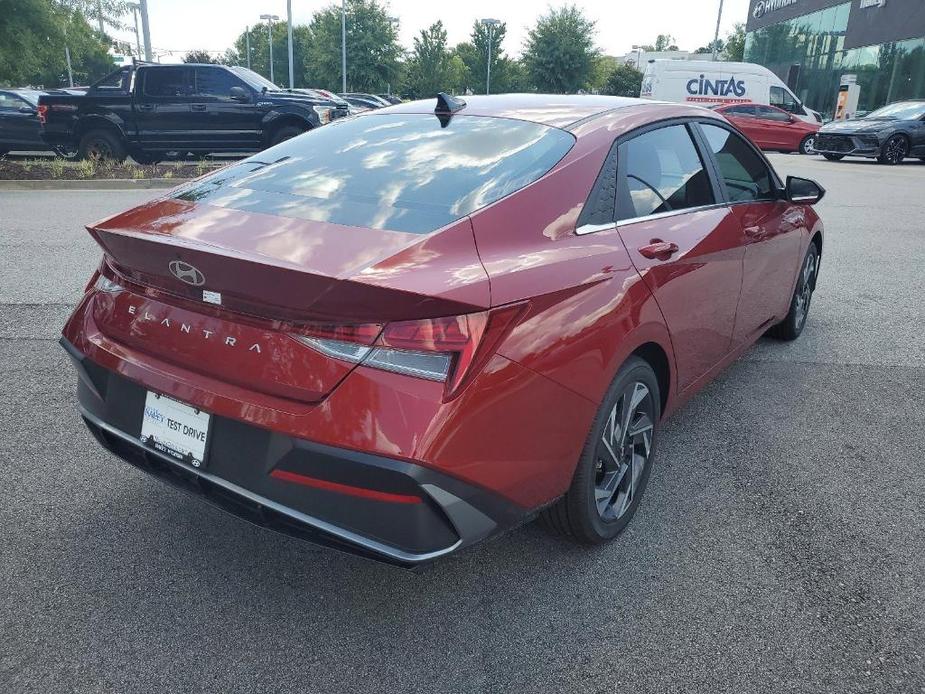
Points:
182	25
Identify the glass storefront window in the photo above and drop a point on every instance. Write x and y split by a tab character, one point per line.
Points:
815	42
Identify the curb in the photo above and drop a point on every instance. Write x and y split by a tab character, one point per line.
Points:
93	184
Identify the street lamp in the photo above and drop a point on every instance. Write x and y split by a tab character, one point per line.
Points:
639	51
489	23
270	19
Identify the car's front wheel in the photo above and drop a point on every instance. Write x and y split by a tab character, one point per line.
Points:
287	132
616	460
792	326
894	150
833	157
808	145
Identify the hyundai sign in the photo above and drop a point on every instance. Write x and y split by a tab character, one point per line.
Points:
763	7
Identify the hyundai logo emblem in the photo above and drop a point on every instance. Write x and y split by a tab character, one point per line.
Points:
186	273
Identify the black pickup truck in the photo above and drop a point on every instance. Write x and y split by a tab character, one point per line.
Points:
153	111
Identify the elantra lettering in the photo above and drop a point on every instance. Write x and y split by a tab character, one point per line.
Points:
186	328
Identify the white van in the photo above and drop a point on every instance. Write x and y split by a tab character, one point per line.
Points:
707	82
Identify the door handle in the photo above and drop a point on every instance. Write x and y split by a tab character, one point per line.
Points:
145	107
659	250
197	107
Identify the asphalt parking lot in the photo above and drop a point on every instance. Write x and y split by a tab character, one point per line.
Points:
780	546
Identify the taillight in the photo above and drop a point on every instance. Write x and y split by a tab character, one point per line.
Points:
451	349
42	111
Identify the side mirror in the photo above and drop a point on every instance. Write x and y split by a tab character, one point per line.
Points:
803	191
239	94
27	109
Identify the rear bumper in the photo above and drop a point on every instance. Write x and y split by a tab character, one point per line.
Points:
399	513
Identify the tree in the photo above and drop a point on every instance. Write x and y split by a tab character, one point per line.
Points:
601	68
735	44
505	77
665	42
625	80
260	52
200	57
719	44
432	68
373	51
559	51
33	34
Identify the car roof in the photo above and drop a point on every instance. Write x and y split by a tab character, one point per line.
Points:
556	110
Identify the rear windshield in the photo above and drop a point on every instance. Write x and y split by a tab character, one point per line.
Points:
402	172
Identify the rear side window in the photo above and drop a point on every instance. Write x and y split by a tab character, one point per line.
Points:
743	110
746	175
768	113
661	171
166	81
402	172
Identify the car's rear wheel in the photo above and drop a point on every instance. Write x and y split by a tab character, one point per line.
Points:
101	145
287	132
807	145
894	150
616	460
833	157
791	327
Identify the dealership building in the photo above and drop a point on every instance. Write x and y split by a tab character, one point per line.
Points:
811	44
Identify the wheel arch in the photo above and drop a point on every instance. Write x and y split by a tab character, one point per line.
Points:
282	120
98	122
655	356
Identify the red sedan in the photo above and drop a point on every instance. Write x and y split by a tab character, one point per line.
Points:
409	330
771	128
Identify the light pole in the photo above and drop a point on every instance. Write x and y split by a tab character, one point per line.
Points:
343	44
289	20
145	27
638	50
719	16
489	23
135	7
247	34
270	19
393	22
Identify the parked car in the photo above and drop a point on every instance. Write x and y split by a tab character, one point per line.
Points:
771	128
343	340
718	82
889	134
365	101
391	98
20	130
150	110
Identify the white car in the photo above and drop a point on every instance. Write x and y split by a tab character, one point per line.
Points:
710	82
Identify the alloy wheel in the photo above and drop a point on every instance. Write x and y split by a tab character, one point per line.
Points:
894	151
805	290
98	150
809	145
623	451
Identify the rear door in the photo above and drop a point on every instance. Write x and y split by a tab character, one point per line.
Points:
771	230
218	120
778	126
163	95
743	116
684	240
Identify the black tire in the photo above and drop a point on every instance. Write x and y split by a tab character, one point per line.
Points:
894	150
287	132
606	489
833	157
792	326
806	144
102	145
